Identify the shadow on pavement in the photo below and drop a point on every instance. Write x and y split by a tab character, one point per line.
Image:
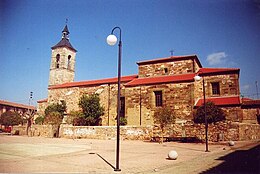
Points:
238	162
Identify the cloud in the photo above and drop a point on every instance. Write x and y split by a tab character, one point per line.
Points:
217	58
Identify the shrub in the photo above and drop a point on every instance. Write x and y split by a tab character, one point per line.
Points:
10	118
54	118
56	107
39	120
214	114
123	121
91	108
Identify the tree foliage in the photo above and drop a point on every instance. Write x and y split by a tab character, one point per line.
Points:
213	113
56	107
91	108
54	118
163	116
39	120
54	113
10	118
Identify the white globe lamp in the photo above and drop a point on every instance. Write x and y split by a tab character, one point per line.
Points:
197	78
111	39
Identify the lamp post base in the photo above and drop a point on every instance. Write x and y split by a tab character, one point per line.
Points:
117	170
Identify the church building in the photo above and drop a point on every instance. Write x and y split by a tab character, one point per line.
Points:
160	82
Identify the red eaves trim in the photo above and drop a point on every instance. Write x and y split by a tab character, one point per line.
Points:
16	105
42	101
170	59
216	71
220	101
114	80
161	79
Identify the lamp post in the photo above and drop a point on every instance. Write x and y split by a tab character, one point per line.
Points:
198	78
111	40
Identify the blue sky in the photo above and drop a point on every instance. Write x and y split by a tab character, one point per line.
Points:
222	33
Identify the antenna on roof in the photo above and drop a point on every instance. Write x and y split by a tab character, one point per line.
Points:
171	51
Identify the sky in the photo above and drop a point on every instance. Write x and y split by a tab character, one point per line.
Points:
222	33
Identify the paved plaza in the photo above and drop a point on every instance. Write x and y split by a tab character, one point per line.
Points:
21	154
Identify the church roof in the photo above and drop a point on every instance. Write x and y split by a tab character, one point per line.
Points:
65	40
170	59
216	71
161	79
220	101
64	43
124	79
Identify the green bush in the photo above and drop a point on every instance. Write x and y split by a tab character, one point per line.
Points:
123	121
54	118
214	114
39	120
10	118
91	108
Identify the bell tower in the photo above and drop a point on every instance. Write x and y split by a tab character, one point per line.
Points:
62	68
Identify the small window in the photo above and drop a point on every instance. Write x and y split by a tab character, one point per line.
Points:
166	70
57	61
215	88
158	98
69	60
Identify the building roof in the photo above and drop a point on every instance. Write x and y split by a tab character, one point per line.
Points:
220	101
170	59
16	105
114	80
65	40
42	101
64	43
161	79
215	71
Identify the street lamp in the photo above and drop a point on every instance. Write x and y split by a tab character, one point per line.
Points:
111	40
198	78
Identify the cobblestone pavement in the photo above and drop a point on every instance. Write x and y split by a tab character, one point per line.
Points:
19	154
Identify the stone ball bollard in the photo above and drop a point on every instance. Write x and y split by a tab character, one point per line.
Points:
173	155
231	143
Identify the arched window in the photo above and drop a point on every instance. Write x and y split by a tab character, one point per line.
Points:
58	61
69	60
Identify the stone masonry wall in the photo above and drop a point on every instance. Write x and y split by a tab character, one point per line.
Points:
177	96
222	131
166	68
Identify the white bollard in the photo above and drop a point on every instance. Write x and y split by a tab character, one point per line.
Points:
173	155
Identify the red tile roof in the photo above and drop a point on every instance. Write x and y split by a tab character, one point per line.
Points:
42	101
16	105
124	79
214	71
221	101
170	59
161	79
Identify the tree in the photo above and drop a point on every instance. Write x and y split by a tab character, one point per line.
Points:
213	113
39	120
56	107
53	118
91	108
163	116
10	118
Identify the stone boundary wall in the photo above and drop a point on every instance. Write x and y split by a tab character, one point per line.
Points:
223	131
49	131
106	132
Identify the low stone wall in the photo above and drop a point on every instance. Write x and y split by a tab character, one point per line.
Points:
106	132
222	131
37	130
